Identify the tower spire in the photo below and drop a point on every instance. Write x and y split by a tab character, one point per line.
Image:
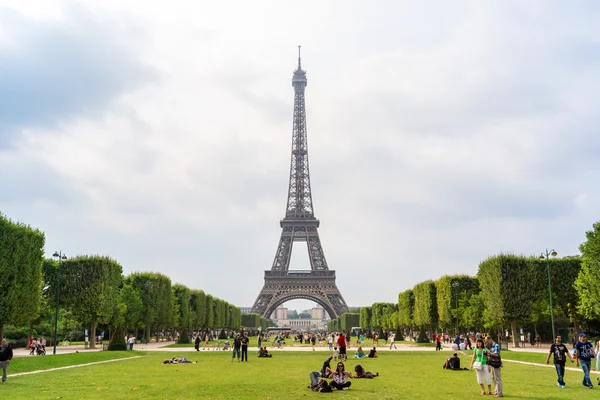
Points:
299	63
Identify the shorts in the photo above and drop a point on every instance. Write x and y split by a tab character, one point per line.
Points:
343	350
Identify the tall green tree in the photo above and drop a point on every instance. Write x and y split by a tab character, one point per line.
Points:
156	296
449	289
588	279
406	304
425	308
183	297
21	255
198	310
89	287
366	315
508	284
210	312
131	308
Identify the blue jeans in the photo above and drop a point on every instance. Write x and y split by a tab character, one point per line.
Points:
586	365
560	371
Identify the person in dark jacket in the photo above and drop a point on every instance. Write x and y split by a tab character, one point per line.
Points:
6	354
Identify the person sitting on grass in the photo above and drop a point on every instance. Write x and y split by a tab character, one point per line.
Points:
373	353
453	363
340	377
359	353
263	352
361	373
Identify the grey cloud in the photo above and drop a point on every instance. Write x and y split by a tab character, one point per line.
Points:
55	71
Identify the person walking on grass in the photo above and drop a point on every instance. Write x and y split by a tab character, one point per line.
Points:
585	353
559	350
245	342
493	357
6	354
237	344
479	364
197	342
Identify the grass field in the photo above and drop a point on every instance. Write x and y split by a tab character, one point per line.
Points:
404	375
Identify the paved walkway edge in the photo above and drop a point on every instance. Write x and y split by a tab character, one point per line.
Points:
39	371
548	366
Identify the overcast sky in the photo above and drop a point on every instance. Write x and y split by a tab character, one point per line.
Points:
159	133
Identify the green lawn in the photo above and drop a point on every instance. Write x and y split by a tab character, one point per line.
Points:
404	375
34	363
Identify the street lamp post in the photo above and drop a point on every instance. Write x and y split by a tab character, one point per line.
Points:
61	257
546	256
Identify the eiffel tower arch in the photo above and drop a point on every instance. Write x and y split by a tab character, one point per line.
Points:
299	225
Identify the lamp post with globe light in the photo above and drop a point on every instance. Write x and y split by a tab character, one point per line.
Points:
546	256
60	256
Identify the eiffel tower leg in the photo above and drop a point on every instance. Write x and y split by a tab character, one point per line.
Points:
315	251
284	251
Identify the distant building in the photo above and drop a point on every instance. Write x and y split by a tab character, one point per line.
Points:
246	310
318	320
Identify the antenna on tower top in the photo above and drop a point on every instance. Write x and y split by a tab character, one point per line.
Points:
299	66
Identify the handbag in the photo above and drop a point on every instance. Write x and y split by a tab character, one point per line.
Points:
494	361
477	365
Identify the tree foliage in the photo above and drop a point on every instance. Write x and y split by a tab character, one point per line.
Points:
425	306
366	314
406	303
21	255
349	321
588	279
183	298
155	293
449	289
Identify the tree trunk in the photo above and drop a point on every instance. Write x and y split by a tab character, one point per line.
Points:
514	333
1	330
148	333
30	329
93	335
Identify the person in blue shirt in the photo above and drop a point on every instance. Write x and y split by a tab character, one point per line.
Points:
496	375
585	352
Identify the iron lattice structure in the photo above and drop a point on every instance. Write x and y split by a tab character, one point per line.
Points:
299	225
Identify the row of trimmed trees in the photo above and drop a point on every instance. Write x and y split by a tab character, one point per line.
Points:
344	323
255	321
508	292
94	291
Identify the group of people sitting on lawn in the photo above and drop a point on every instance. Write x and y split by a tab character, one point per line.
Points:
339	377
361	354
263	352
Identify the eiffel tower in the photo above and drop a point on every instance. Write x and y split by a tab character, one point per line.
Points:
299	225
